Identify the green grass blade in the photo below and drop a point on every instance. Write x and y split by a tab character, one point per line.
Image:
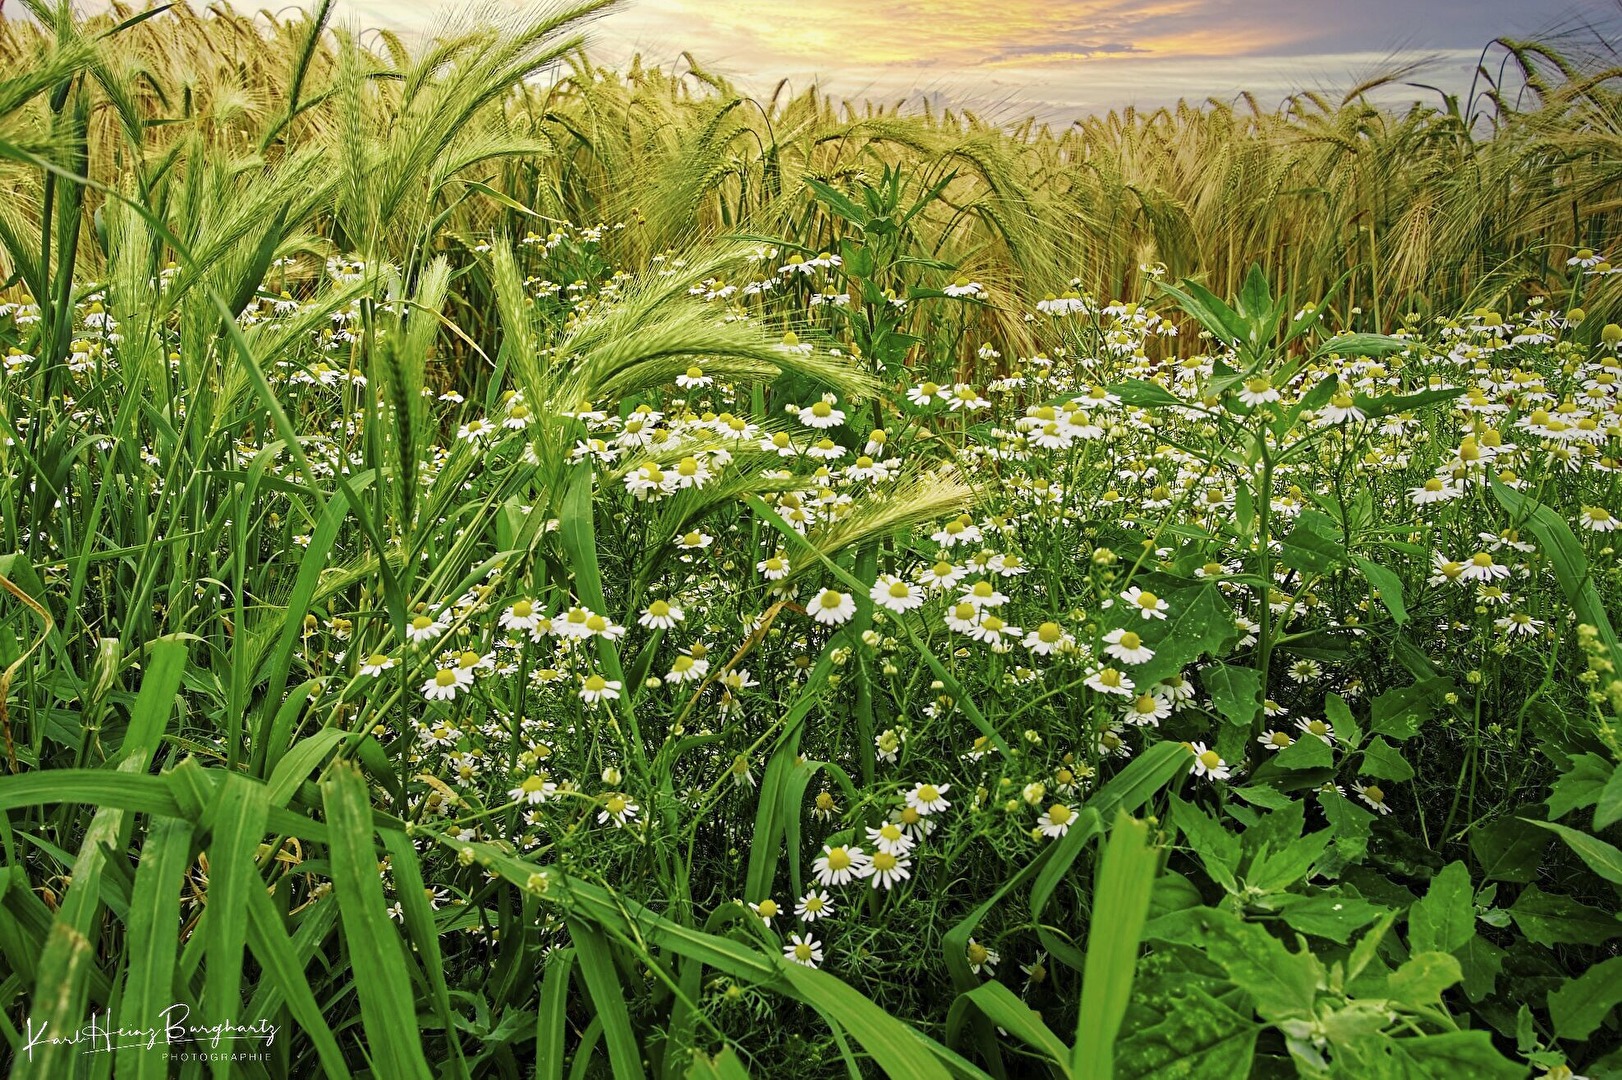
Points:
551	1017
603	982
375	950
1126	877
237	823
154	927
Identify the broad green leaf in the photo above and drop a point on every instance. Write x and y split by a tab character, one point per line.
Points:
1327	914
1314	545
1196	1036
1446	917
1608	810
1580	1006
1551	919
1565	554
1580	786
1236	692
237	821
1602	858
154	940
1388	585
1383	760
1218	849
1507	850
1307	752
1448	1056
1419	982
607	997
1398	713
1283	984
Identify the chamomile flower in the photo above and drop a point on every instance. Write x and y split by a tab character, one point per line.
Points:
822	415
1049	638
660	615
1146	710
618	809
1127	647
983	594
774	567
814	905
1342	409
1108	680
1434	490
1275	741
595	688
1373	795
890	837
1208	763
1518	624
928	798
893	594
942	576
982	960
533	789
885	870
1597	519
1145	603
1321	730
767	910
521	615
1483	567
1056	820
376	664
839	864
926	393
424	628
447	682
963	618
831	607
804	950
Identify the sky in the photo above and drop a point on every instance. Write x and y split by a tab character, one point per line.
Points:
1057	58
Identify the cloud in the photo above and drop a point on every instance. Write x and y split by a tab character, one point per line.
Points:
1055	58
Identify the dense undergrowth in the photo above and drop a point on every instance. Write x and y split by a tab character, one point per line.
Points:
509	577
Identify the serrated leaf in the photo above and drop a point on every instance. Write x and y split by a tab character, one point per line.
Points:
1327	914
1602	858
1608	809
1389	586
1398	713
1381	759
1196	1035
1236	692
1445	918
1578	1008
1551	919
1419	982
1581	785
1507	850
1314	545
1308	752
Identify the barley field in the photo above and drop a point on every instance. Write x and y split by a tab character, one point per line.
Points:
511	567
